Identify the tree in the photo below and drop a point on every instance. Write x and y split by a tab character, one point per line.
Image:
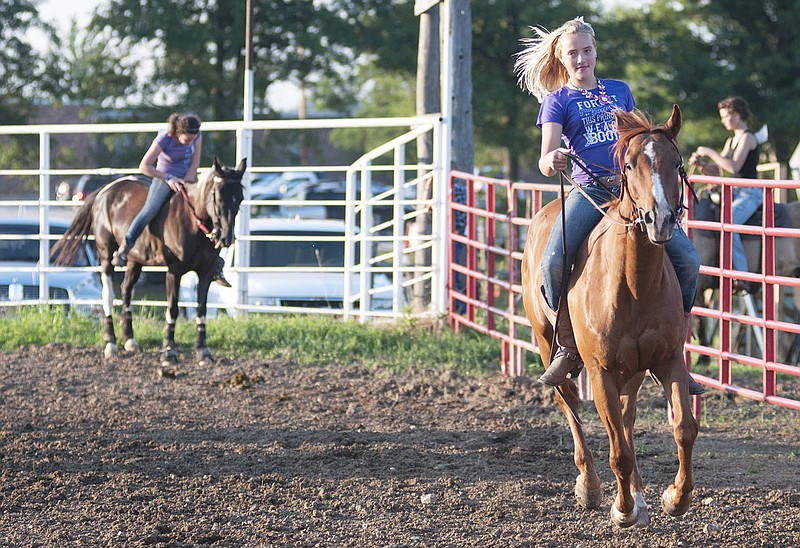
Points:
697	53
21	67
22	81
86	68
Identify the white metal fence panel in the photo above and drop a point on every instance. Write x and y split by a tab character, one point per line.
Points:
376	216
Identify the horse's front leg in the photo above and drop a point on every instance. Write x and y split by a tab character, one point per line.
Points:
588	489
628	398
132	274
677	498
201	351
168	354
624	511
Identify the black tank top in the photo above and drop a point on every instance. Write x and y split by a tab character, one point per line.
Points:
748	170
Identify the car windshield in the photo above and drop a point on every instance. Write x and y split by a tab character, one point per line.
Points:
27	251
297	253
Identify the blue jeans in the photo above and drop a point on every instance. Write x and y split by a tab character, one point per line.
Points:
158	195
582	217
745	202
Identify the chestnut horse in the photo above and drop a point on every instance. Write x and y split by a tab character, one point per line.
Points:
186	235
627	315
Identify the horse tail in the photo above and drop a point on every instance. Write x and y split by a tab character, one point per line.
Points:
65	249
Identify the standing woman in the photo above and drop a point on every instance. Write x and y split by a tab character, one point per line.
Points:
739	156
577	108
171	161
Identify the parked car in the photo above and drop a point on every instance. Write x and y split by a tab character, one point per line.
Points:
17	284
88	184
335	190
284	186
296	248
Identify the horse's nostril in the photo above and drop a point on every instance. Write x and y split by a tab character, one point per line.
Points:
671	218
649	217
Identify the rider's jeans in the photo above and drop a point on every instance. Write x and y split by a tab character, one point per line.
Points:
158	195
581	218
746	201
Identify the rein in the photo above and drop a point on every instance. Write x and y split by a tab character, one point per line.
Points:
193	214
577	187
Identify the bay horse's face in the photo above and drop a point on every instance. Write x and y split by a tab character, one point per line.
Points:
226	196
652	170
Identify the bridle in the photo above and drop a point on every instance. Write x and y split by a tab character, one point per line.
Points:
216	227
639	214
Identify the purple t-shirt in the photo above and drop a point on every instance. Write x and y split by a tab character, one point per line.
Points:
588	126
175	157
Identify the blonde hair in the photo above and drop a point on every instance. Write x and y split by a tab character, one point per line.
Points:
538	67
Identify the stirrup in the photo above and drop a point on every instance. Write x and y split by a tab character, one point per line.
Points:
566	364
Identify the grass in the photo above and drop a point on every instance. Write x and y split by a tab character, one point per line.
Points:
309	340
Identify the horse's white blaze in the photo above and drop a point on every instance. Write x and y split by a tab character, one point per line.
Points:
108	294
662	205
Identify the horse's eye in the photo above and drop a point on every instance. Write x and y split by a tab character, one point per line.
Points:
628	167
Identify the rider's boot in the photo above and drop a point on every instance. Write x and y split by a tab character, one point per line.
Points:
566	362
218	275
120	257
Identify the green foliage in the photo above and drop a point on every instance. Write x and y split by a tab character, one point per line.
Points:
89	70
308	340
21	67
390	95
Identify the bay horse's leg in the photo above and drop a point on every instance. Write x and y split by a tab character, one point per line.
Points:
109	337
202	354
630	393
588	489
620	455
677	498
168	354
132	274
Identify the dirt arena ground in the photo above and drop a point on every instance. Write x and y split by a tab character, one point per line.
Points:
267	453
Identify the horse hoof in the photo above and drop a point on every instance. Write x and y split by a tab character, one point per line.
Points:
588	498
110	350
674	510
169	358
624	520
204	358
131	345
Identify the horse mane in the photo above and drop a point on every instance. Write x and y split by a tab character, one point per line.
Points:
629	125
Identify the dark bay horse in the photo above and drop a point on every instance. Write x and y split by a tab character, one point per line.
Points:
186	235
627	316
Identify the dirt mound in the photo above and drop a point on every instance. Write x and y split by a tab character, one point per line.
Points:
269	453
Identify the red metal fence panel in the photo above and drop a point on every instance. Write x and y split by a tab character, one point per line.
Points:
489	220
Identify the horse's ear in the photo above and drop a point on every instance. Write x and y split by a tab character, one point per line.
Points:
217	166
242	165
673	125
